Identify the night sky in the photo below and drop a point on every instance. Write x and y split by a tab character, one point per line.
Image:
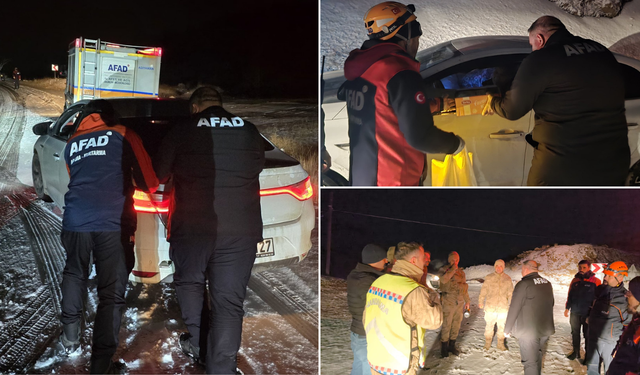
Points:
258	48
504	222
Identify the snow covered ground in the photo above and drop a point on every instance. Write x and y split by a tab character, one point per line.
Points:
342	28
273	341
558	264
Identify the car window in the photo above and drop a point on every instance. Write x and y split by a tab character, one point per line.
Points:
476	77
66	123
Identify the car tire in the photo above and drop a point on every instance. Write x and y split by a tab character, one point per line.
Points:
333	178
36	175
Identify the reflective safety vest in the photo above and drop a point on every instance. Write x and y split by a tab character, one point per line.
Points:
388	336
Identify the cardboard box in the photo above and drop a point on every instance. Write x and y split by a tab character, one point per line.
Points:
470	105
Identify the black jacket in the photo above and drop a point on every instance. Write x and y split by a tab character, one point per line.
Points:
627	354
582	292
358	283
608	315
531	309
576	88
215	159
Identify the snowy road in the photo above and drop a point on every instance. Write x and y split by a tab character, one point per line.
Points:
281	320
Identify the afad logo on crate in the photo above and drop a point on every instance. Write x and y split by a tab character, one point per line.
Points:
118	68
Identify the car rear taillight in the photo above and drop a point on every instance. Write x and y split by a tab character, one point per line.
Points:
154	203
301	190
143	274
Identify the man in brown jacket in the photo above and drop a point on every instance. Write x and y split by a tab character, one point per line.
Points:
397	312
495	297
455	299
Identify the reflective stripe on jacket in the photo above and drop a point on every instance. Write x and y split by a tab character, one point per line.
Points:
388	335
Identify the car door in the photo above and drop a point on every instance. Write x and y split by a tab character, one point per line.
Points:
498	147
54	168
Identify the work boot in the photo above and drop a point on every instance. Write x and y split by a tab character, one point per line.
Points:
487	344
70	337
444	351
452	347
501	344
189	349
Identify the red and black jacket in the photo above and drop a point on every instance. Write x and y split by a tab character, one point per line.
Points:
390	122
101	161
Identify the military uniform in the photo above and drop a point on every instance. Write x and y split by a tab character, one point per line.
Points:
455	294
496	296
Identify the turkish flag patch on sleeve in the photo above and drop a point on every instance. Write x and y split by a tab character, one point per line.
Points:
420	98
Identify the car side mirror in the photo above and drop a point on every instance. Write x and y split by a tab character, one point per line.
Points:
42	128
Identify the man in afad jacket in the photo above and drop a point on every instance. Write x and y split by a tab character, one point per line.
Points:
495	297
397	312
103	158
390	121
576	88
215	159
607	318
455	300
374	260
530	317
626	360
582	292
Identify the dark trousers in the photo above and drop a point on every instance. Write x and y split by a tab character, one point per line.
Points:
16	83
114	259
531	351
226	263
577	321
598	351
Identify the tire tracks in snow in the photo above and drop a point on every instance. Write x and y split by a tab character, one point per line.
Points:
12	123
34	327
287	303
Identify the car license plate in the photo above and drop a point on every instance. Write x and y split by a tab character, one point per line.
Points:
265	248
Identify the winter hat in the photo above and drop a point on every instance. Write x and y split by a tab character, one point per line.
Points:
373	253
634	287
499	261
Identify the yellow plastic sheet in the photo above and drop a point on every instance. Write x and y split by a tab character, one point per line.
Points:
455	170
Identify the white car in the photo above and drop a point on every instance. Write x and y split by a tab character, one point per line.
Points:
501	155
288	213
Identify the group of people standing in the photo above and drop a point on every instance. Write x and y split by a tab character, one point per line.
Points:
392	307
215	224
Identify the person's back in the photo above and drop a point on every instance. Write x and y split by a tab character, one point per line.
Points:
102	160
580	114
218	159
390	121
531	308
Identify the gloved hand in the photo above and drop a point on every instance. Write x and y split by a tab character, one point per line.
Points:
507	335
460	147
566	313
487	110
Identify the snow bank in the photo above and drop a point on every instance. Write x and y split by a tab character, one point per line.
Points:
342	28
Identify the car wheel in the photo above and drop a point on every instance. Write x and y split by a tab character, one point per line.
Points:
36	174
333	178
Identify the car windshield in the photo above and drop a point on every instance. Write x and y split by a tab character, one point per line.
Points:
436	54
